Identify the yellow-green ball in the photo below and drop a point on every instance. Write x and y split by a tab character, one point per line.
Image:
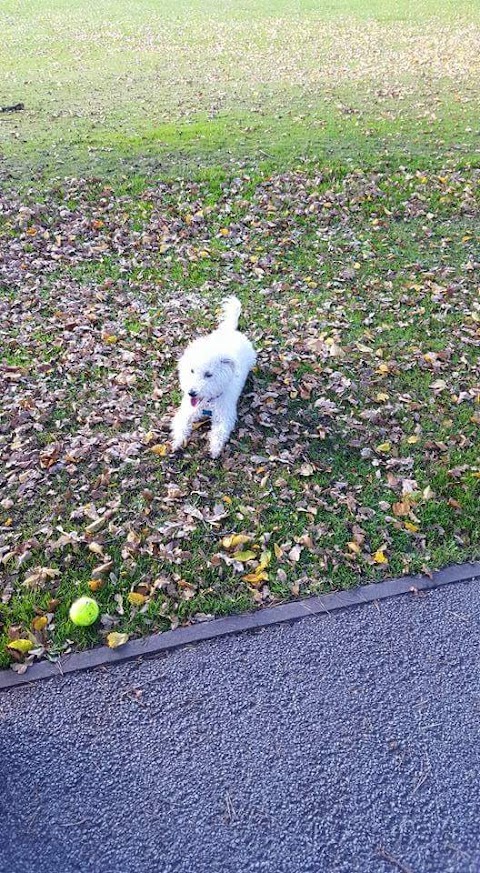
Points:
84	611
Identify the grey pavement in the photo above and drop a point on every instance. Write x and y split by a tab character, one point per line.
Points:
347	742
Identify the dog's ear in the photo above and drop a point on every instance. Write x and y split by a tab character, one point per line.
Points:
229	362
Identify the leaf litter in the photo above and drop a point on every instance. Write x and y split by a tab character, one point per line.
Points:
356	451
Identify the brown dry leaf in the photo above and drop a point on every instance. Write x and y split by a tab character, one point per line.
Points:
102	569
40	575
96	548
306	470
95	584
115	639
402	507
439	385
294	553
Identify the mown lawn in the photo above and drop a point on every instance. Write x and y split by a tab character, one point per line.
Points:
322	163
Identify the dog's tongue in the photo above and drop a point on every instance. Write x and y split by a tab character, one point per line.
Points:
194	400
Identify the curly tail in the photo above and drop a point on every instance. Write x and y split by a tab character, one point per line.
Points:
231	309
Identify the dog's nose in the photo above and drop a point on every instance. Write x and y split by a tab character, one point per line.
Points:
192	393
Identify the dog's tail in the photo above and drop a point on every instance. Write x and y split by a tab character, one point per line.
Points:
231	309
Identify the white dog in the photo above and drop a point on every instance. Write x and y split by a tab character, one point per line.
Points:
213	370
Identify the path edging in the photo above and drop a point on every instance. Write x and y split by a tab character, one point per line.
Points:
148	647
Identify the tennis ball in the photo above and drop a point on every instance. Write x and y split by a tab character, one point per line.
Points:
84	611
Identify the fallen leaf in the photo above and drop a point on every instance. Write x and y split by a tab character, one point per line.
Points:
230	542
39	622
294	553
379	557
384	448
265	560
21	645
354	547
256	578
244	556
96	548
136	599
40	575
159	449
413	528
115	639
306	470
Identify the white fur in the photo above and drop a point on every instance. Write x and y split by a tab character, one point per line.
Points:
228	356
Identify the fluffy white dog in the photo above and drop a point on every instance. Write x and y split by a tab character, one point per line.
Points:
213	370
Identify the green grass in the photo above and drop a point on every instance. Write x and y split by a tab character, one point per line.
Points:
319	160
128	88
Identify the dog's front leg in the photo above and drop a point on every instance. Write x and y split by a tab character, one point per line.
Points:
222	426
182	424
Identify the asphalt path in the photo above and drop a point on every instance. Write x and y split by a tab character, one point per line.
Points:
341	743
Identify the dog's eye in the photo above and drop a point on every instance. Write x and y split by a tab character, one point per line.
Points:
208	375
192	370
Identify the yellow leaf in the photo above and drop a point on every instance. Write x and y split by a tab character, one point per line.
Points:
265	559
22	646
382	397
159	449
39	622
413	528
244	556
278	551
354	547
379	557
412	440
427	493
136	599
384	447
227	499
476	475
256	578
95	584
383	369
234	540
224	231
114	640
110	338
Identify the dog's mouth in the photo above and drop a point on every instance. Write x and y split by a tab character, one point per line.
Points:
195	401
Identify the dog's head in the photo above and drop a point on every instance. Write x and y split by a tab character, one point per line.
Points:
204	377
